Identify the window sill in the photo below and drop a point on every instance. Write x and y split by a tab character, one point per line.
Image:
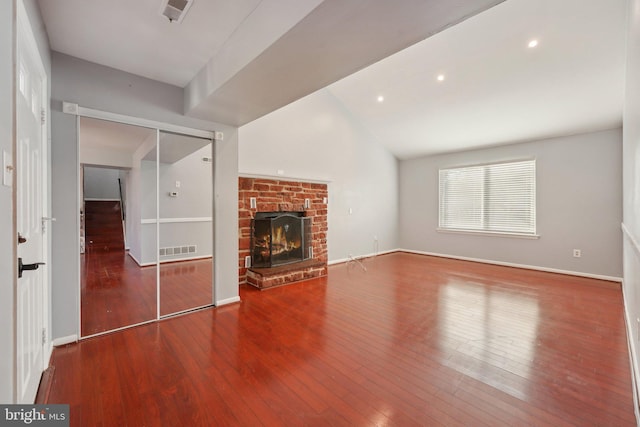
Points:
489	233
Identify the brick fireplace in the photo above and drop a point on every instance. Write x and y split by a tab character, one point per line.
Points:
273	197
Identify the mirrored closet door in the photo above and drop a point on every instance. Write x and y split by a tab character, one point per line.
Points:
146	224
185	182
117	245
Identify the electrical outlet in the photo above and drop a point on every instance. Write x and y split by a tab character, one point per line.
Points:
577	253
247	261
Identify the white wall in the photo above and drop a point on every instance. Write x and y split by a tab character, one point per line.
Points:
194	195
101	183
141	193
147	199
102	88
631	167
316	139
194	201
105	157
579	199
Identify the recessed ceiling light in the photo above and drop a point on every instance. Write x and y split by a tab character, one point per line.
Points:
533	43
380	98
441	77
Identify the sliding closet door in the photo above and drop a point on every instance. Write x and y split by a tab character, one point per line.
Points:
118	225
185	217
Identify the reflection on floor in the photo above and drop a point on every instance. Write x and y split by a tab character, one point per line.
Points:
117	292
412	340
185	285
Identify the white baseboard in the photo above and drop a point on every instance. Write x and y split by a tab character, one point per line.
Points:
486	261
134	258
57	342
227	301
191	258
371	255
164	261
525	266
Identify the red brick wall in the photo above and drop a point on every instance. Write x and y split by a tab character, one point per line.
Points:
278	195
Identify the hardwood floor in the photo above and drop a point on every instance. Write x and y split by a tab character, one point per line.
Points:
413	340
116	292
185	285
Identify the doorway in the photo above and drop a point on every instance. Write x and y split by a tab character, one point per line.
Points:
146	224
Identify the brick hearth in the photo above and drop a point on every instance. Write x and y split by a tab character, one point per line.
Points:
275	196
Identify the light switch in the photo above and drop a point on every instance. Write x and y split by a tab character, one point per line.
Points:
177	184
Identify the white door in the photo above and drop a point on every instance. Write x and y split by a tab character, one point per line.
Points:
31	172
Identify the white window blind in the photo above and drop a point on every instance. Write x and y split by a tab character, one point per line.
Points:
495	198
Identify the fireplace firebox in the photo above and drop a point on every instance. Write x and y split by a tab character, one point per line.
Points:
279	238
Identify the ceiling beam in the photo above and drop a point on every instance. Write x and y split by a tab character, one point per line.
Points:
334	40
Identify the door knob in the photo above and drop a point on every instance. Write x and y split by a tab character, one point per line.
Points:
22	267
21	239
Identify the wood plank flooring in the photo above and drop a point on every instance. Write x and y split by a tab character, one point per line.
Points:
117	292
411	341
185	285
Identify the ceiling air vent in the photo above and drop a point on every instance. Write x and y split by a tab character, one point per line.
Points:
175	10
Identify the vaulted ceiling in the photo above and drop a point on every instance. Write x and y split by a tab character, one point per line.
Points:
497	89
239	60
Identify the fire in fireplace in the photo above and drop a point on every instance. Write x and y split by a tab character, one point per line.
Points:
280	238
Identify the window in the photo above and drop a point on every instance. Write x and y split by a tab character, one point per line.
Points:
493	198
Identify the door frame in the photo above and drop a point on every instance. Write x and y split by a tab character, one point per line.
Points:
79	111
24	31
